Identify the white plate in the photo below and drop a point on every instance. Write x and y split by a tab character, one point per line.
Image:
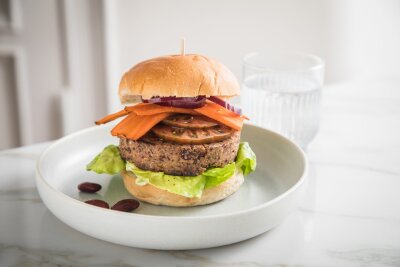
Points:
264	200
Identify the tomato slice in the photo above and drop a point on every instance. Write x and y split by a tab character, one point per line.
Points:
189	121
192	135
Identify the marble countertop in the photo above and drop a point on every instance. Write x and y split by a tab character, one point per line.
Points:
350	214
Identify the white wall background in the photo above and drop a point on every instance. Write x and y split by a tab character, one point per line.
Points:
68	55
356	38
52	79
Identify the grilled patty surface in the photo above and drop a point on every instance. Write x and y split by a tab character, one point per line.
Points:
154	154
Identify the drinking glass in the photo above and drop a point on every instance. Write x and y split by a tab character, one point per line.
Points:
282	92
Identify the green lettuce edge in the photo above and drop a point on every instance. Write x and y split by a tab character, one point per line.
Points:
110	161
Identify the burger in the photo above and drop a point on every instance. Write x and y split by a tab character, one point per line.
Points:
179	139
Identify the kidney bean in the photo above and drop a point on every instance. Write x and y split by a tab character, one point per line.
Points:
126	205
88	187
98	203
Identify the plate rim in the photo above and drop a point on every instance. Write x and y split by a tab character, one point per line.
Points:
264	205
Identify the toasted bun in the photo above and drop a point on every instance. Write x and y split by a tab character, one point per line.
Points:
180	76
156	196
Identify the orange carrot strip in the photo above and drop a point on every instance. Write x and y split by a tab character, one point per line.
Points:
145	124
210	109
245	117
221	110
127	130
222	115
125	123
134	126
142	117
152	109
112	117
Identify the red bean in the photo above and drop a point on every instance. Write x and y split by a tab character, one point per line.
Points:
88	187
98	203
126	205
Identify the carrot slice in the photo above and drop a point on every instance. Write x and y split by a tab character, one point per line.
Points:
112	117
145	124
221	110
224	116
152	109
120	128
135	126
142	117
210	109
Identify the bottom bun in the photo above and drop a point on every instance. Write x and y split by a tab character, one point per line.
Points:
156	196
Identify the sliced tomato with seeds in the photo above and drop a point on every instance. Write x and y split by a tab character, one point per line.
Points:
189	121
192	135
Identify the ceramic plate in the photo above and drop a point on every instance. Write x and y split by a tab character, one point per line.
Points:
267	196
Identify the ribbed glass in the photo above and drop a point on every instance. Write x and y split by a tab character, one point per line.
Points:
282	92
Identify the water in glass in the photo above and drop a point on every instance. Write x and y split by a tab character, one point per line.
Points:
284	102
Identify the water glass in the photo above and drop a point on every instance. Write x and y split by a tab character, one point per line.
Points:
282	92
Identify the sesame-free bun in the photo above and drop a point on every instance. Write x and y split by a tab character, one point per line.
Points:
156	196
178	75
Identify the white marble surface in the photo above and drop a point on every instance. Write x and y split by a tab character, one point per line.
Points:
350	215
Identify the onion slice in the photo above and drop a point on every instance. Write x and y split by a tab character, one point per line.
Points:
225	104
178	102
191	102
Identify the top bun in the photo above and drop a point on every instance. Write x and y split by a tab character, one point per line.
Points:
178	75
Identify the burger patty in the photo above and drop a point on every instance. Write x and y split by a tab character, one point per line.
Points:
151	153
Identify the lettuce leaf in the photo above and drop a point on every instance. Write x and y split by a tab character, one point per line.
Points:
188	186
246	159
216	176
108	161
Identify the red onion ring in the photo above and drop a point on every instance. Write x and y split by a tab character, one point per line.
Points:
178	102
191	102
226	105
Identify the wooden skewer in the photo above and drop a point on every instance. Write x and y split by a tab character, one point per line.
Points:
183	41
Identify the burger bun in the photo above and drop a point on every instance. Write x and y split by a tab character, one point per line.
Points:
151	194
